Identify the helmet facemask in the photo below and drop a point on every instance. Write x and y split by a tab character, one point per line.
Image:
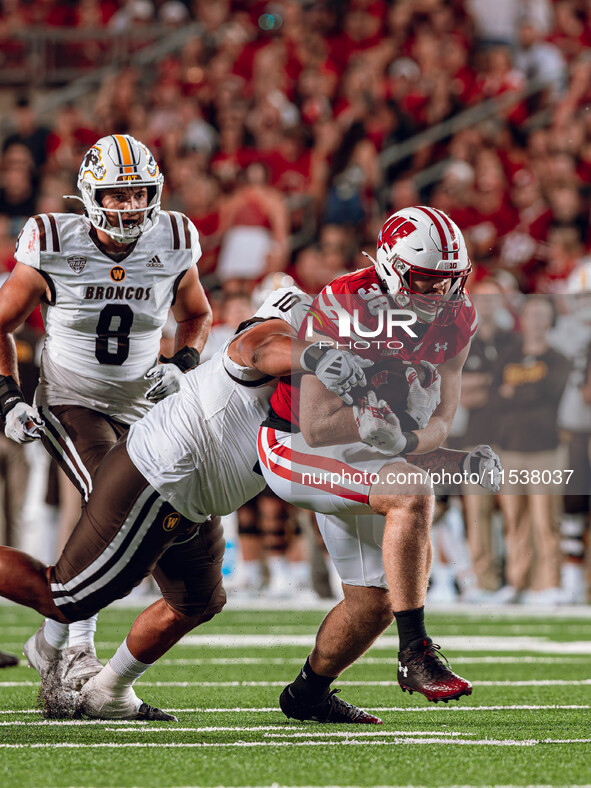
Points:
430	307
119	162
121	233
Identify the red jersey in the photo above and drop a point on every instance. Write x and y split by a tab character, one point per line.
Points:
361	293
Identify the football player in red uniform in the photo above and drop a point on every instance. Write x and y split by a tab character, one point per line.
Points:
351	464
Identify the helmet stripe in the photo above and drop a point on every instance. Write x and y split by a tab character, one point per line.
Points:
449	241
127	163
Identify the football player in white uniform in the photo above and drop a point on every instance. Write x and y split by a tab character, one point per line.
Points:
105	281
194	453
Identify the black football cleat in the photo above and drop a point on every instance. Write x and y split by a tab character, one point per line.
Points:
333	709
152	714
420	669
8	660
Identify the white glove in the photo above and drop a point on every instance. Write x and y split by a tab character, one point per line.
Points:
23	423
378	426
166	380
421	402
483	461
337	370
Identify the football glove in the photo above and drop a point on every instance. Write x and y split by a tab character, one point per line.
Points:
165	379
378	426
23	423
337	370
421	402
483	461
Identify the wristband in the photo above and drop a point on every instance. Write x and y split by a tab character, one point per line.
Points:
10	394
412	441
185	359
312	355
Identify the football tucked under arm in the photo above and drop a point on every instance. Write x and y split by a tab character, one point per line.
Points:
411	390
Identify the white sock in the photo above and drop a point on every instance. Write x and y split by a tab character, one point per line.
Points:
81	633
125	667
55	634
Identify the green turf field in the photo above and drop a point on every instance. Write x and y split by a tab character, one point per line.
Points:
528	721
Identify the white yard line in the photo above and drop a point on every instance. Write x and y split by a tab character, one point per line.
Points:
462	644
283	733
51	723
370	660
309	743
529	683
432	708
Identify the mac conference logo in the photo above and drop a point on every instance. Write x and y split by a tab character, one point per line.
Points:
117	273
77	263
171	521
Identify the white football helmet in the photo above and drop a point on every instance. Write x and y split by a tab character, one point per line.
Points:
419	242
112	162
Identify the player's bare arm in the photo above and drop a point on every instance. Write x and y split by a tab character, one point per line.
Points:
192	312
481	464
20	294
437	429
268	347
24	290
324	418
193	315
272	348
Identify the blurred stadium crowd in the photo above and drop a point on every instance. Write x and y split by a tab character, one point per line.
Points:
287	131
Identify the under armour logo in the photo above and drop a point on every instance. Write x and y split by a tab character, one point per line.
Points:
439	346
155	262
403	669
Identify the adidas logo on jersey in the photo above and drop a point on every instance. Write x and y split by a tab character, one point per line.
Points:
155	262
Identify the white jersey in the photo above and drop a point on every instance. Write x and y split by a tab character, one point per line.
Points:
104	319
198	447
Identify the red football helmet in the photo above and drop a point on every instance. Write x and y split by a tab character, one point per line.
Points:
416	243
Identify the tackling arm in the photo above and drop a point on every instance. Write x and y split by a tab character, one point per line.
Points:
272	348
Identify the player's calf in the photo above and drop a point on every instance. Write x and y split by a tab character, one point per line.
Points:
25	580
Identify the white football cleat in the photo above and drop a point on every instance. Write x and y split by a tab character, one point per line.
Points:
97	702
40	655
79	664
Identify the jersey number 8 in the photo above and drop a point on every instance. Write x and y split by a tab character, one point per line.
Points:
114	323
